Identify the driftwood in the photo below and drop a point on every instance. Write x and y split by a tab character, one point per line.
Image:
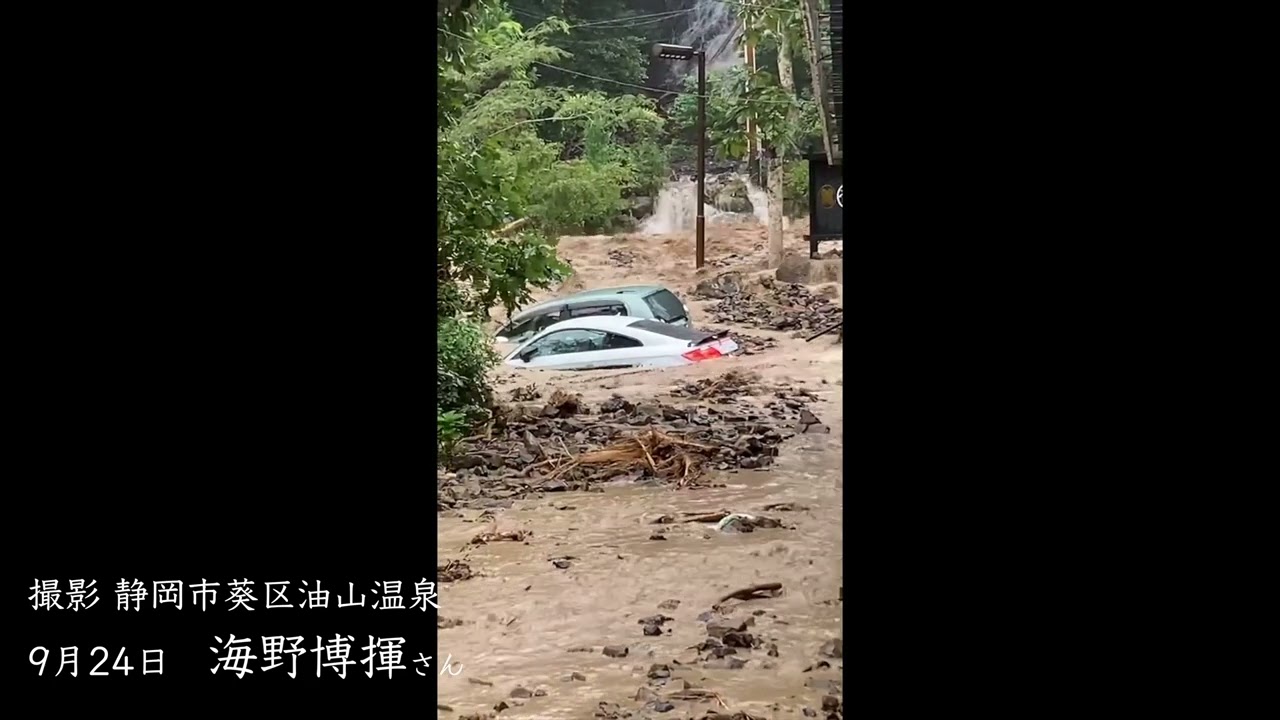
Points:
826	330
750	593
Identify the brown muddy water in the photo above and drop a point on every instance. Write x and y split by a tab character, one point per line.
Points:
522	622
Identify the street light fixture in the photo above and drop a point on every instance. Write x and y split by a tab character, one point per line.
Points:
684	52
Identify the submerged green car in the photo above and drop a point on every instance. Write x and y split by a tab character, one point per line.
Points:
649	302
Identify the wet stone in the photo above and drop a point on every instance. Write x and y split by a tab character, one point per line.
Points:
718	628
521	692
833	648
616	651
652	630
644	695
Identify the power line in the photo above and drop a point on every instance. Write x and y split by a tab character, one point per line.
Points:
611	22
664	91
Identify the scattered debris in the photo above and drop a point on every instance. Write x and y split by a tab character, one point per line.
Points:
526	393
622	258
453	571
777	306
488	537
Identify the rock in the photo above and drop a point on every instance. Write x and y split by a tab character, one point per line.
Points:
668	604
562	564
817	428
501	706
663	706
810	712
652	630
721	286
645	695
794	269
830	703
720	628
833	648
641	206
616	651
539	693
521	692
576	676
808	418
554	486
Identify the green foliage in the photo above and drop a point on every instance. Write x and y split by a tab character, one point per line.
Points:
603	40
450	428
463	357
795	179
784	122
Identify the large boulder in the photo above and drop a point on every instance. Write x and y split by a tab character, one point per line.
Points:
732	197
800	269
794	269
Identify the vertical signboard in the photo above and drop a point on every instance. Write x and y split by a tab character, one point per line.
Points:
826	202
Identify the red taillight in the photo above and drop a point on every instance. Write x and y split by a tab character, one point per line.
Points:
703	353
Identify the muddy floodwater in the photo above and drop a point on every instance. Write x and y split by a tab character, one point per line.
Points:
530	627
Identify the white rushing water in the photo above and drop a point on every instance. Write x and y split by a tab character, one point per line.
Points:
713	26
675	209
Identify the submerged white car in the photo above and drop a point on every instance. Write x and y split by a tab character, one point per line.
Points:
592	343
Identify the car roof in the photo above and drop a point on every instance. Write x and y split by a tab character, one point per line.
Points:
588	295
621	290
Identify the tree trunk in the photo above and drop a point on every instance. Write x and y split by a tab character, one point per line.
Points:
776	163
813	37
775	211
786	76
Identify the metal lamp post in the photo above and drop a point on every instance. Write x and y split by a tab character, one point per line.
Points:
684	52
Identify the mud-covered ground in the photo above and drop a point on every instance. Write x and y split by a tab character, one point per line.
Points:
656	543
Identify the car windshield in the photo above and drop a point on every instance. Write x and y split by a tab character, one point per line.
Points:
665	306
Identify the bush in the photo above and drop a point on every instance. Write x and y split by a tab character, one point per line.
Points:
796	188
450	427
465	357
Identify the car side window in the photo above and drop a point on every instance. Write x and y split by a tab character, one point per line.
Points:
618	342
523	326
570	341
597	310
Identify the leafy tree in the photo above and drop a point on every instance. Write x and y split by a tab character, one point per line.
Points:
784	124
504	182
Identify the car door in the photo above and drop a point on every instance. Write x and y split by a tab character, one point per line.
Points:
584	349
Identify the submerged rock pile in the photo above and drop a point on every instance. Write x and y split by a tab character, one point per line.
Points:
778	306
